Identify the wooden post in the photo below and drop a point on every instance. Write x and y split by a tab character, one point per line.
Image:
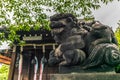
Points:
12	65
29	64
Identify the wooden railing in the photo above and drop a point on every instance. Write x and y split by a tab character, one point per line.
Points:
5	60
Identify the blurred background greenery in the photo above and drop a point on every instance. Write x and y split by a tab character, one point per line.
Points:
4	70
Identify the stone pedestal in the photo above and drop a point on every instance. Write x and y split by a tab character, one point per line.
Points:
78	69
85	76
77	73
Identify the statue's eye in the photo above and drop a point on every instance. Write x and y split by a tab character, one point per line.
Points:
69	19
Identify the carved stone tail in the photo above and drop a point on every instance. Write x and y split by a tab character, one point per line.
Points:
103	54
112	55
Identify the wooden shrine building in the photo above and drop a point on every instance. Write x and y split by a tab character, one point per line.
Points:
38	43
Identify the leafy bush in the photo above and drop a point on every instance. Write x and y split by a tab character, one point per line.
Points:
117	35
4	69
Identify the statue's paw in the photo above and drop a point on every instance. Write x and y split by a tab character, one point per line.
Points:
63	63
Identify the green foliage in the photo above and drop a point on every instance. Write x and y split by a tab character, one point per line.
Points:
4	69
117	68
24	14
117	34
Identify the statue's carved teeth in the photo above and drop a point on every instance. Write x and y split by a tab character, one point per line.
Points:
58	30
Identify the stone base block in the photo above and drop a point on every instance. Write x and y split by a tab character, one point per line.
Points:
78	69
85	76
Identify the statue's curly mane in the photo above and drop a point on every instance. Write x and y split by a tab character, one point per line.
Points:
59	16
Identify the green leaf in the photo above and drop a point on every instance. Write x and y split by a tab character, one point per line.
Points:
4	70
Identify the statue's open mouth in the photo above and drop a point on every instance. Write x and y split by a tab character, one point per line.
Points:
57	30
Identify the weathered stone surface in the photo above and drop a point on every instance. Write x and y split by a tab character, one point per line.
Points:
78	69
85	76
90	45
